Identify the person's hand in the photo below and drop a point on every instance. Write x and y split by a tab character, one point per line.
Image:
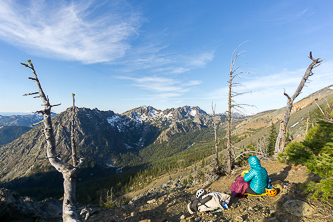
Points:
244	172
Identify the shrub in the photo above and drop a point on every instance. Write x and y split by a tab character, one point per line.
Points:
322	164
296	153
323	189
319	136
316	153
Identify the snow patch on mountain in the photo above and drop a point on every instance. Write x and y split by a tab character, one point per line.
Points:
110	165
150	114
119	121
128	146
193	112
113	120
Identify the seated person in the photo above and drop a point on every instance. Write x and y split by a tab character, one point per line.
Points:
239	186
208	202
257	177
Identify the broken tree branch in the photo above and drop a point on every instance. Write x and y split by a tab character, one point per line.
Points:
29	94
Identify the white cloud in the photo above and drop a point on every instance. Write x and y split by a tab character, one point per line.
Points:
156	59
192	83
282	79
179	70
167	96
162	87
77	31
202	59
92	32
267	91
172	70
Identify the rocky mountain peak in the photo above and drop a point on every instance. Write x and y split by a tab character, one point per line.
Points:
151	115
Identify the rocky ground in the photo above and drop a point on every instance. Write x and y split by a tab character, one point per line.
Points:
167	201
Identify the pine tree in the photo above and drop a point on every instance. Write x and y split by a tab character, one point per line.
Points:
316	153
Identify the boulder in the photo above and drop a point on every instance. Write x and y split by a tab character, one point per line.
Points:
16	208
298	208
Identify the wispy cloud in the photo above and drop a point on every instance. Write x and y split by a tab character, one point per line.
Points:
77	31
157	58
160	87
287	16
202	59
93	32
171	69
267	91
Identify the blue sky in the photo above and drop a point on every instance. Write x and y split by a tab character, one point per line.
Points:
119	55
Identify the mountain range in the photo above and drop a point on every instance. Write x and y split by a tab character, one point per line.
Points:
140	136
100	135
21	120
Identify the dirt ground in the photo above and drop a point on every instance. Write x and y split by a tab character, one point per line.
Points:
172	206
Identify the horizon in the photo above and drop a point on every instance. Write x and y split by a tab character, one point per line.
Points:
221	113
119	55
32	113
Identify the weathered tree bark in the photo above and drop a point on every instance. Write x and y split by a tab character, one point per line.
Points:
228	167
231	103
261	146
281	139
74	158
217	167
68	171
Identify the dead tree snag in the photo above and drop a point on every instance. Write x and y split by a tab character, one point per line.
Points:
281	139
68	171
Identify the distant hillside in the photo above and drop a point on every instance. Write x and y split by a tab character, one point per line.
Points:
255	127
10	133
21	120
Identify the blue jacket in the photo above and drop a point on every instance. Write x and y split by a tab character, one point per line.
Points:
257	176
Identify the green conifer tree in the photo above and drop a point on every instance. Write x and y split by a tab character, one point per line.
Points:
316	153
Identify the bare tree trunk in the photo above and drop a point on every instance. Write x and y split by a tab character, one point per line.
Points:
281	139
231	103
68	205
216	169
228	169
74	158
321	110
68	171
216	151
